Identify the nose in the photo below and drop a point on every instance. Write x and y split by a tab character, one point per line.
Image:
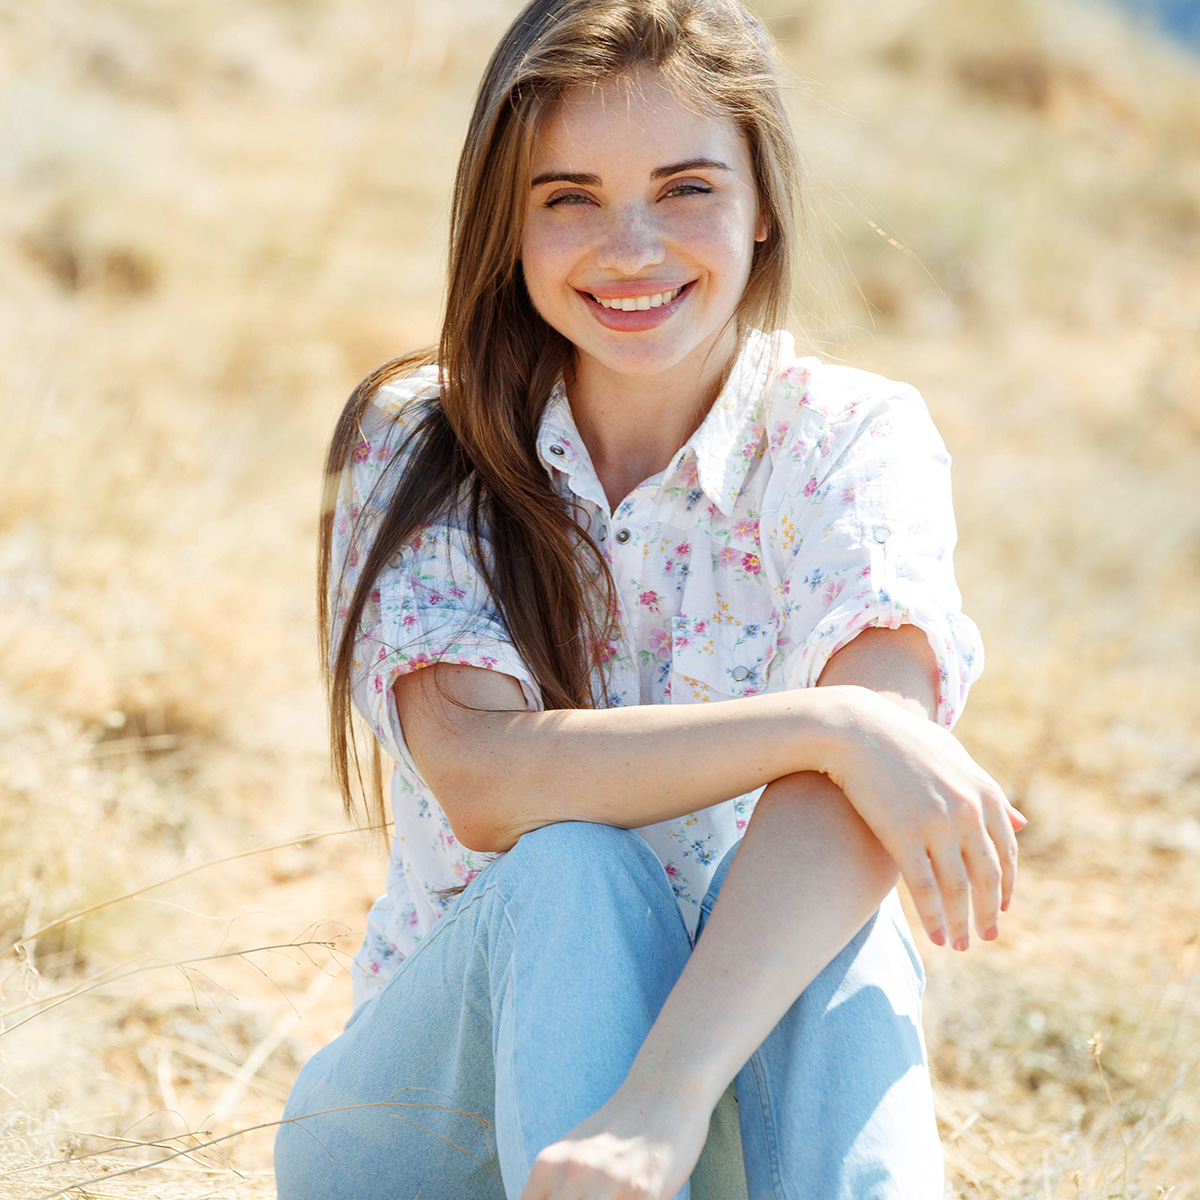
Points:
632	241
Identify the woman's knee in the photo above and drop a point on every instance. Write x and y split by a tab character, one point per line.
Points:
582	847
598	863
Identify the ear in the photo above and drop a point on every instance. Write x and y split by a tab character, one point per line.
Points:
762	229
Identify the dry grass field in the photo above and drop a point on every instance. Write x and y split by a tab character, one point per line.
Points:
215	215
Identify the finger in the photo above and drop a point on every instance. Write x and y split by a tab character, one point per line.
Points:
922	886
544	1181
535	1185
1016	817
983	869
955	889
1004	840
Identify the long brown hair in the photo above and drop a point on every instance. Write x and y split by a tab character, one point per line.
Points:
499	360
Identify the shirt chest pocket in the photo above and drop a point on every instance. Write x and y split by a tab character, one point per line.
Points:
712	661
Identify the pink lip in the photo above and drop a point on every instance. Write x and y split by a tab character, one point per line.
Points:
641	318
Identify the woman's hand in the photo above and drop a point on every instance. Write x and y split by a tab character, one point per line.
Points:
942	818
630	1149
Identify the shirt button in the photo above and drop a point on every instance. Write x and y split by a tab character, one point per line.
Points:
740	673
558	451
623	535
881	533
602	535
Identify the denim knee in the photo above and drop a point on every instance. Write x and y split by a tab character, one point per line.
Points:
582	856
583	846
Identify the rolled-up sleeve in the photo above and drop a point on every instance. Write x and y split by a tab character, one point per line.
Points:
871	530
429	604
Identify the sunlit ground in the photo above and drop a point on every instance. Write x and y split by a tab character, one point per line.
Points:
216	216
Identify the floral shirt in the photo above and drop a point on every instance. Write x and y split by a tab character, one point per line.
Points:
812	503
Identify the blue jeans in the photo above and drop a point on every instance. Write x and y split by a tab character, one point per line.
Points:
520	1014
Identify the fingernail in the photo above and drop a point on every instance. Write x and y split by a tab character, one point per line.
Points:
961	944
937	937
992	934
1004	904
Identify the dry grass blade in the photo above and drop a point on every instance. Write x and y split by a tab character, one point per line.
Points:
210	1142
259	1055
44	1006
67	918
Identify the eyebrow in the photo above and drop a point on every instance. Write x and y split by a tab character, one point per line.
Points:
586	180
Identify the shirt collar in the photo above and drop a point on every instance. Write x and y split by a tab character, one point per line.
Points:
561	449
723	447
734	429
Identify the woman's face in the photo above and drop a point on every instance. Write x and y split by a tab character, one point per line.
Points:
640	226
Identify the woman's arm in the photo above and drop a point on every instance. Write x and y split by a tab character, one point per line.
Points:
808	875
500	771
806	878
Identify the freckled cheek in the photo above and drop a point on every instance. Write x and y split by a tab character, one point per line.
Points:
722	242
556	242
550	255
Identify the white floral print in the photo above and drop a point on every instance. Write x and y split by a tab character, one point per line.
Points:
813	502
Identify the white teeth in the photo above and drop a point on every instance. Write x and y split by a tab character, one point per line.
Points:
639	303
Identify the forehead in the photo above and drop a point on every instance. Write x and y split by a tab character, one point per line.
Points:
633	120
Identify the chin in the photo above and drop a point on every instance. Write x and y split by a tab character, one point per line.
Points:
649	356
638	366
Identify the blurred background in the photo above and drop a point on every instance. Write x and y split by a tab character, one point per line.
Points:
1178	19
216	215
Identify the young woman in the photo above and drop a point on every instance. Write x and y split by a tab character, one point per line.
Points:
607	497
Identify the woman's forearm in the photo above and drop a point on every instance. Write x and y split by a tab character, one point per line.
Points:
807	876
502	773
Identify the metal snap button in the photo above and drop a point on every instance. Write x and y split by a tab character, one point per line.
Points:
557	450
602	535
623	535
740	673
881	533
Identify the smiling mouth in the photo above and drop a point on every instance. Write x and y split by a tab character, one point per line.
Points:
639	303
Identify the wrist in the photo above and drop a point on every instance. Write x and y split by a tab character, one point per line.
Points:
843	714
679	1086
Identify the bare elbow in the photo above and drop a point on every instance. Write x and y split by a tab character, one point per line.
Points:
449	715
476	832
473	811
484	838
